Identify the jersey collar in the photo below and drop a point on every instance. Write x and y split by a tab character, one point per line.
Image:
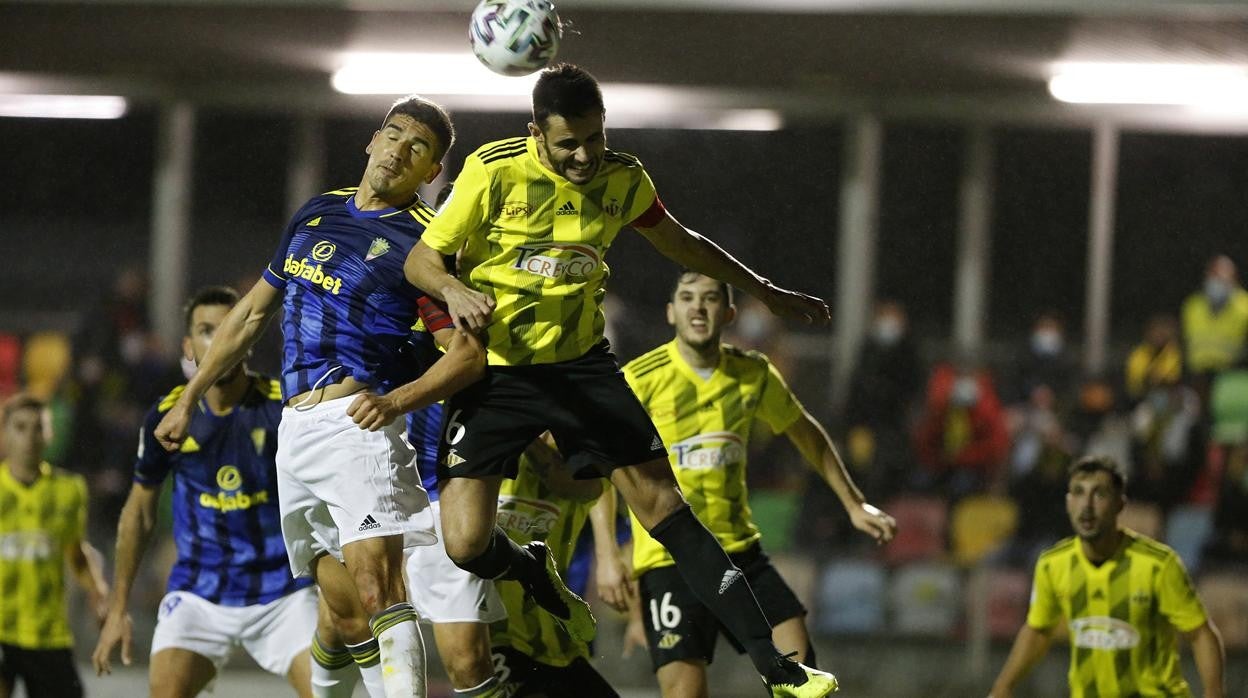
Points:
45	469
688	371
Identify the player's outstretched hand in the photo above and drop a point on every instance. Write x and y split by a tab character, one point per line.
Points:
171	431
468	308
372	412
117	628
873	522
792	305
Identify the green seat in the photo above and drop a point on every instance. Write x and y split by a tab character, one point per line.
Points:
1229	404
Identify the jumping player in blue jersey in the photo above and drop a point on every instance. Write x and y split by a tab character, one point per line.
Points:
346	492
231	585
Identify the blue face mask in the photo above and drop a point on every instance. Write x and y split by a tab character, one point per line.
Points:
1217	290
887	331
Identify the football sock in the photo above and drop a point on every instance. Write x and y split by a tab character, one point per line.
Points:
498	560
333	671
402	651
367	657
810	660
719	585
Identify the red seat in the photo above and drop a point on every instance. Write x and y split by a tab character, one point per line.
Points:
921	525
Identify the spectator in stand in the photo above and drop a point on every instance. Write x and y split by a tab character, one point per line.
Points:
1158	360
1168	444
1229	406
882	393
1044	363
1215	323
961	439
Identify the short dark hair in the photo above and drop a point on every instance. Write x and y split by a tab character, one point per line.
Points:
19	402
432	115
1103	464
208	295
565	90
685	275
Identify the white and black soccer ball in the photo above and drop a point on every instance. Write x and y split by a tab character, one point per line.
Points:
515	37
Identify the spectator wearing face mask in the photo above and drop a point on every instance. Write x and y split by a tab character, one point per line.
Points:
1044	364
1158	360
882	392
961	439
1215	321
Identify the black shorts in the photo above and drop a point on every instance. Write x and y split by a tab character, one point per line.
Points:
597	421
49	673
524	676
679	627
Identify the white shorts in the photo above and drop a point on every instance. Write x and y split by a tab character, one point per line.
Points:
441	592
337	483
273	633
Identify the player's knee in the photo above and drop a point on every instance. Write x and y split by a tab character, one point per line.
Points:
468	667
463	548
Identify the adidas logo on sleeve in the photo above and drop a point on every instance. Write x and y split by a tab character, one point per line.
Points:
369	523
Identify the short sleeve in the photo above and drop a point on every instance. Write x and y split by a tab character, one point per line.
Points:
465	212
777	405
275	273
1177	599
1044	612
152	463
646	210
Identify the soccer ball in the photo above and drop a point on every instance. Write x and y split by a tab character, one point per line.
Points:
515	37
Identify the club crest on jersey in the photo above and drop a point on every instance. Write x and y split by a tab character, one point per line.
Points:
323	250
556	261
714	450
613	208
379	247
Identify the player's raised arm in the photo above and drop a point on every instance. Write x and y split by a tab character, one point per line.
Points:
238	332
1210	656
701	254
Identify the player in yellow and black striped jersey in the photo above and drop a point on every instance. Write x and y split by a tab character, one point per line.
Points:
1124	597
532	219
704	397
43	515
533	654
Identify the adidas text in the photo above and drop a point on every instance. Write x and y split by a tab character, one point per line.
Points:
370	523
567	209
730	576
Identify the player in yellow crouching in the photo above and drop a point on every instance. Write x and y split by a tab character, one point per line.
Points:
43	513
1124	596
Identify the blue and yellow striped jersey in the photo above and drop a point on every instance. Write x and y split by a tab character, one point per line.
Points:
1123	615
37	523
348	305
226	524
535	243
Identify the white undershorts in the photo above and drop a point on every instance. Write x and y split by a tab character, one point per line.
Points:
337	483
273	633
441	592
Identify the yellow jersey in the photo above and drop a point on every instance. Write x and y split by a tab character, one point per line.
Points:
37	524
528	510
1215	341
706	424
1122	615
534	242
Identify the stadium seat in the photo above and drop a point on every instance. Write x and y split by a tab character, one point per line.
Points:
921	524
1006	592
1226	599
775	514
851	598
979	525
1187	530
1142	517
926	599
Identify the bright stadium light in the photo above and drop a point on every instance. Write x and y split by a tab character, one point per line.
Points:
426	74
1204	86
62	106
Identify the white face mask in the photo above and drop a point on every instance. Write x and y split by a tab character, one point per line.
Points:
1046	342
965	391
1217	290
888	330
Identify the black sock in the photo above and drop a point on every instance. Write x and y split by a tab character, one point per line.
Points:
498	560
810	656
719	585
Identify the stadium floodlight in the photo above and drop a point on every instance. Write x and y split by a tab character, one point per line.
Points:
62	106
1208	86
368	73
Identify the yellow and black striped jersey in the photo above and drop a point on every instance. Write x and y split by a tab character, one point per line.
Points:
37	524
706	424
1122	614
535	243
528	510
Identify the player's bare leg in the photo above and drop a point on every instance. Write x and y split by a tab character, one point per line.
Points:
685	678
376	568
300	674
476	544
179	673
652	493
791	636
342	619
465	652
